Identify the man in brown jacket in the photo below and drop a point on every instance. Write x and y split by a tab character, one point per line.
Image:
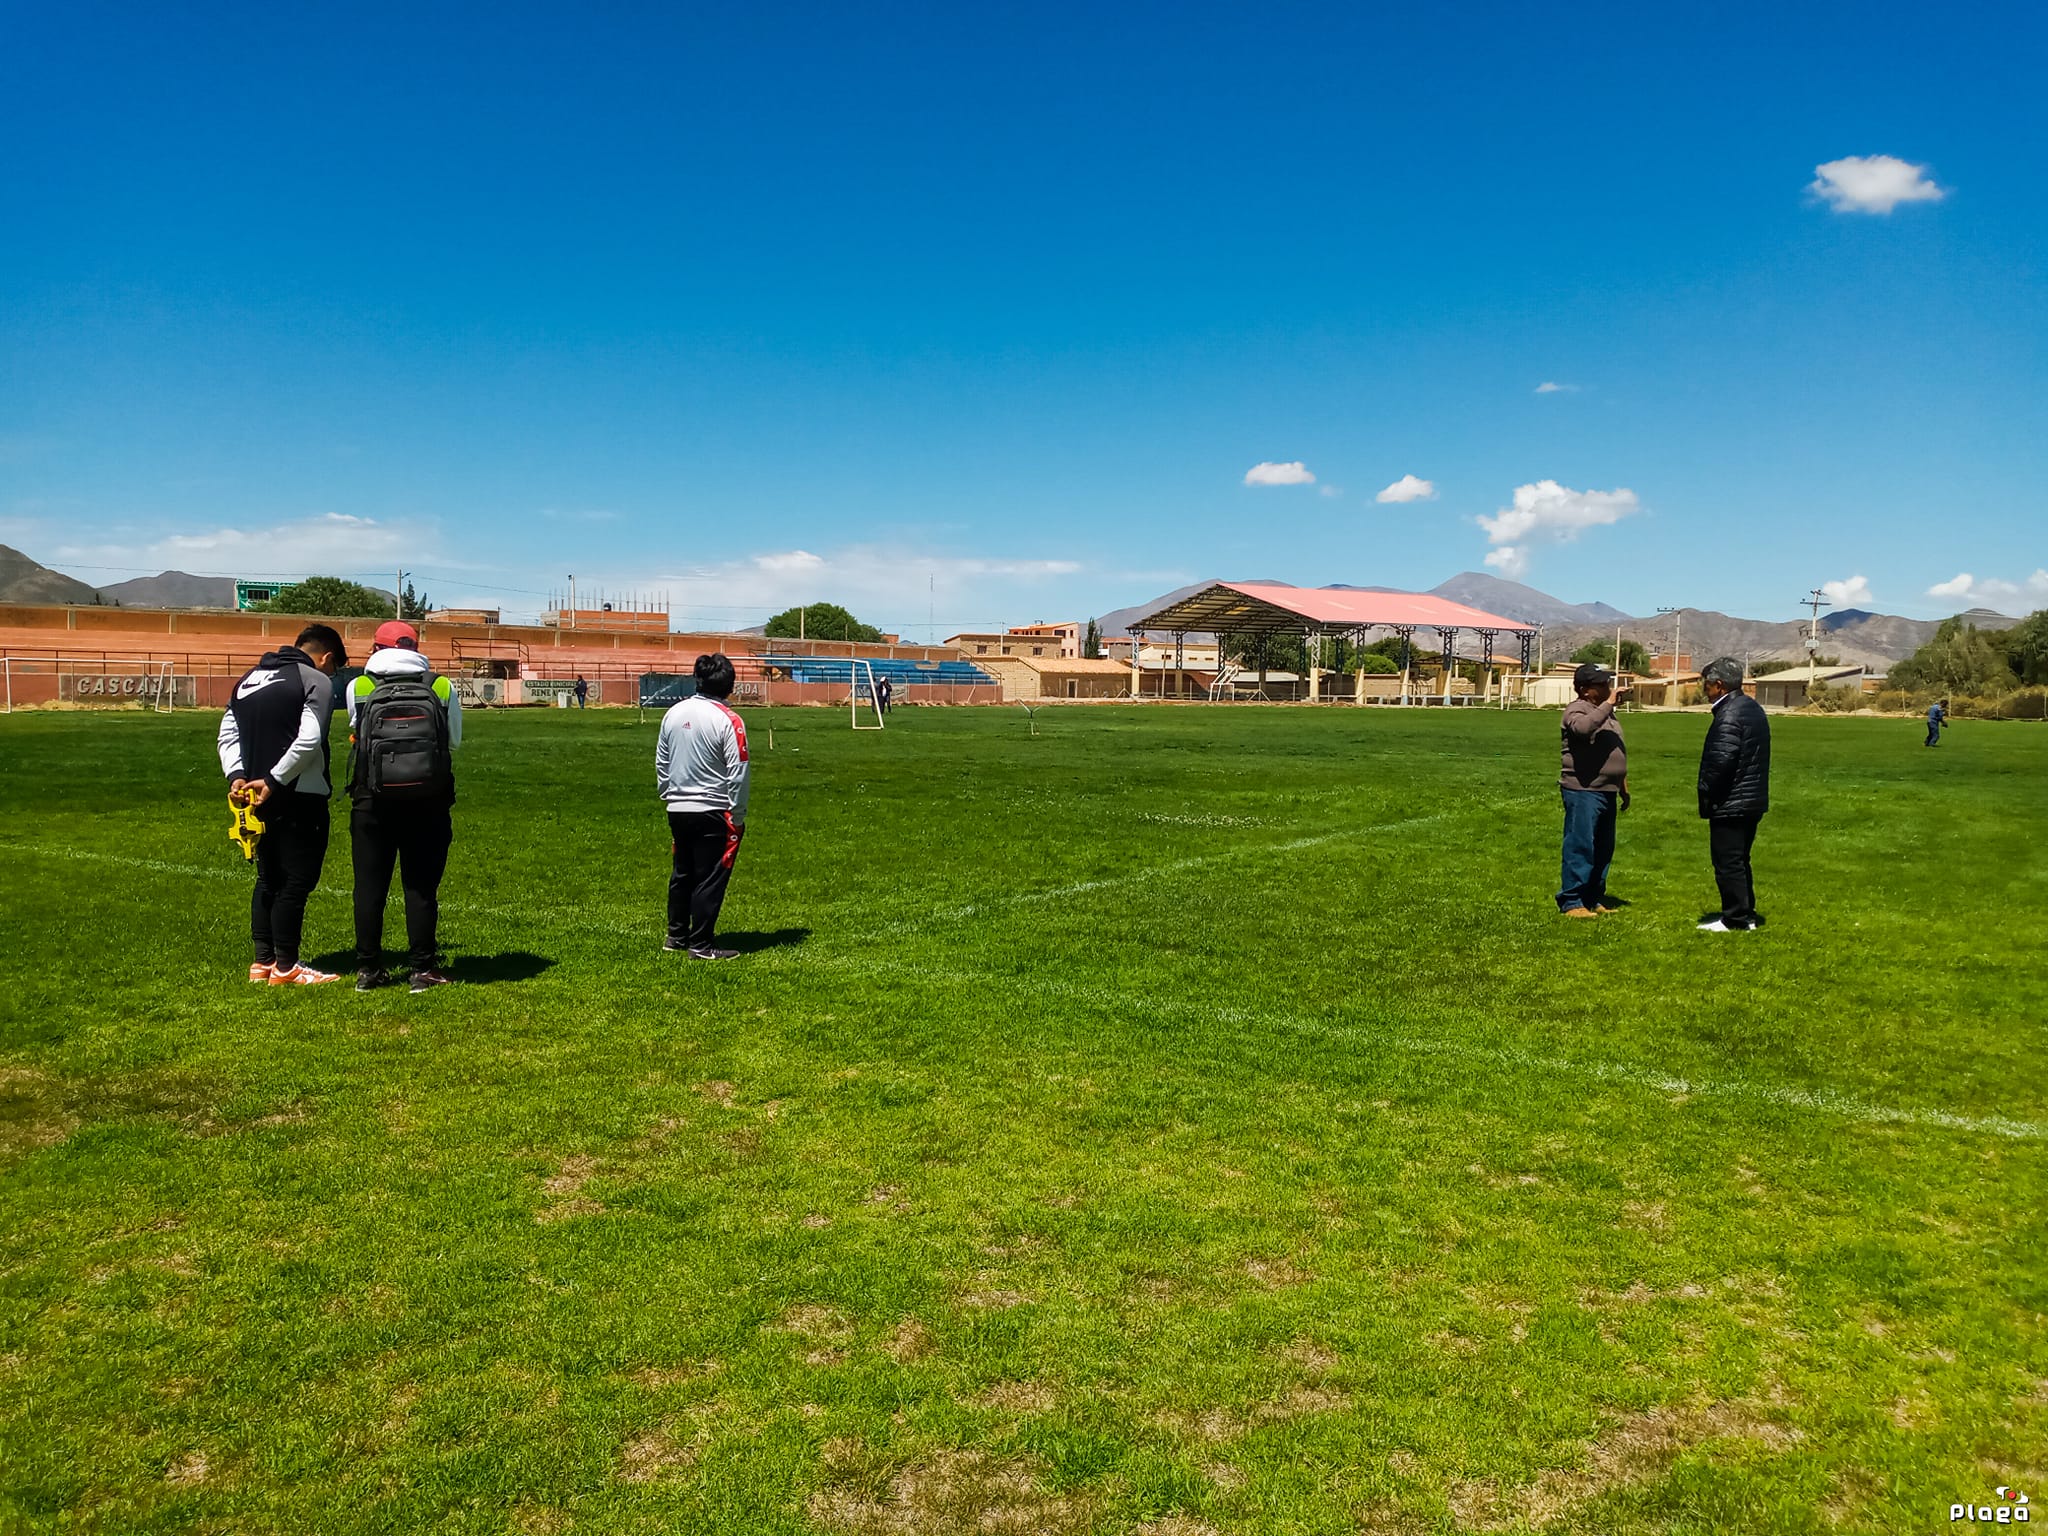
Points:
1594	782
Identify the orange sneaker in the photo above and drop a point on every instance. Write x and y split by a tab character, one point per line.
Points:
260	971
300	975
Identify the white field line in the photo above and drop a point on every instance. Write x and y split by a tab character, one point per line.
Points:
1819	1100
561	917
1151	872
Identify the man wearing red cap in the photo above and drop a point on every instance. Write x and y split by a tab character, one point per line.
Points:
405	722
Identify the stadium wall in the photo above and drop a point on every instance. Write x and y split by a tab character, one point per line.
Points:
209	649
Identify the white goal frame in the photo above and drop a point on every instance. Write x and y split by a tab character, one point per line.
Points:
874	699
155	682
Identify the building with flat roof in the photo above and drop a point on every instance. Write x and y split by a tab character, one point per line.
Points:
1030	678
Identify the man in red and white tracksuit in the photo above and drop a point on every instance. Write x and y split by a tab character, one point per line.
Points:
700	769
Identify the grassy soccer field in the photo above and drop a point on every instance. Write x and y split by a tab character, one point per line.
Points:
1182	1121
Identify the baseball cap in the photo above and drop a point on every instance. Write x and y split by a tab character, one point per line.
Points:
399	633
1589	673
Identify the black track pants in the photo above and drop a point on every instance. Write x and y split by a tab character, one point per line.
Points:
415	839
706	846
288	860
1730	842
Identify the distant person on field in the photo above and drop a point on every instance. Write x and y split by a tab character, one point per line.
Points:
885	693
700	770
1735	791
273	748
1594	782
582	692
1937	717
406	723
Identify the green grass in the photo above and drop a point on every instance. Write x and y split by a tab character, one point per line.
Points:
1183	1121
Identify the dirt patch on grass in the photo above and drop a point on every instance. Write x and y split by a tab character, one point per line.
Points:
32	1112
1277	1274
950	1493
1014	1397
658	1378
816	1322
1219	1426
1634	1450
722	1094
1312	1357
189	1470
657	1454
565	1192
1177	1525
995	1300
909	1340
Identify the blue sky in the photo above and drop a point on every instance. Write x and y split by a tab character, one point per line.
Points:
983	314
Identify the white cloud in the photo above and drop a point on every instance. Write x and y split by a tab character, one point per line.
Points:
1552	387
1853	593
331	543
1270	473
1991	592
1511	560
1331	492
893	586
1409	488
1552	512
1873	184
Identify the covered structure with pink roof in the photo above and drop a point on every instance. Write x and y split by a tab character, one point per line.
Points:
1242	614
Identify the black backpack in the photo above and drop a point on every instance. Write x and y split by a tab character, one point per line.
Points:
402	742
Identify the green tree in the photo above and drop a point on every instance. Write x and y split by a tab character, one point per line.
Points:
329	597
413	606
1375	664
1786	664
1961	658
1091	643
819	621
1633	657
2026	648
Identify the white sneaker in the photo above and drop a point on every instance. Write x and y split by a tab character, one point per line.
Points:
1716	926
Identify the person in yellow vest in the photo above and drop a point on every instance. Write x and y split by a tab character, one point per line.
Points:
405	722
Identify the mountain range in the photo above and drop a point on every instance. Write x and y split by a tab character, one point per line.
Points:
23	580
1858	637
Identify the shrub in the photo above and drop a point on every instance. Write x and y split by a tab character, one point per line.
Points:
1834	701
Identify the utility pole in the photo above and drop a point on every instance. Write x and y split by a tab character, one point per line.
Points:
572	601
1816	602
1677	640
398	597
800	624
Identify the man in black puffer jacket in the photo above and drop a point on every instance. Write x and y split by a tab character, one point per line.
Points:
1735	790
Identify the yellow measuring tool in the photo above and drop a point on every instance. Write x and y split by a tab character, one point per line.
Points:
245	827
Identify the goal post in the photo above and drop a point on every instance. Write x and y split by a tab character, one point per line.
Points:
80	682
863	695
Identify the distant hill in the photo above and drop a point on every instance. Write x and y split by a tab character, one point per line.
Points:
22	580
1859	638
173	589
1512	600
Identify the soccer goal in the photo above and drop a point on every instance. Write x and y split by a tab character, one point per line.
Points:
78	683
864	697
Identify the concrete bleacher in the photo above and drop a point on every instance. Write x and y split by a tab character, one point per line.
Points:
901	672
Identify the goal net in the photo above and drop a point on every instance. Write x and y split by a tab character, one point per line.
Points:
70	682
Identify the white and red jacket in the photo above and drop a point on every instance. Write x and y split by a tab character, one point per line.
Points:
700	761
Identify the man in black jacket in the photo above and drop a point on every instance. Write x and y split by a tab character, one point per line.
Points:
273	749
1735	790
